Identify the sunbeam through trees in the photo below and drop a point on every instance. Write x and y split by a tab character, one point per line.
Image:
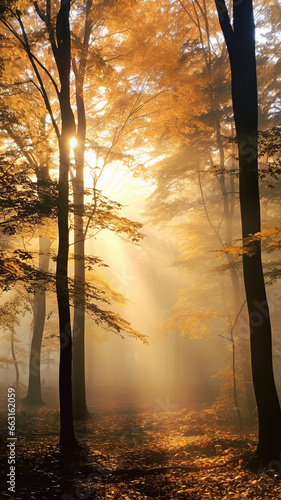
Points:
140	147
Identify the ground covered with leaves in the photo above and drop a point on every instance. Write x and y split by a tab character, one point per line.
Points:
134	453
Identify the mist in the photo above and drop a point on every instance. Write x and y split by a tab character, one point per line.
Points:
140	262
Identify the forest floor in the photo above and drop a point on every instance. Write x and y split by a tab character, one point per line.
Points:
134	453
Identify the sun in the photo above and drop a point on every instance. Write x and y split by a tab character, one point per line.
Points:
73	142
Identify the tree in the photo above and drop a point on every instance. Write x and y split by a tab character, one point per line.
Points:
61	48
26	149
240	41
60	43
9	322
204	149
106	210
203	160
91	62
34	396
78	383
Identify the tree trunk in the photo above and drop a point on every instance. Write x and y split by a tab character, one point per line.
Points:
67	437
79	383
17	381
33	396
228	209
241	47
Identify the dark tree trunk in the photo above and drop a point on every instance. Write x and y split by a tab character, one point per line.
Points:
240	42
61	47
67	437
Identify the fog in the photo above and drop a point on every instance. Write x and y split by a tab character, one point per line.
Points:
172	288
173	370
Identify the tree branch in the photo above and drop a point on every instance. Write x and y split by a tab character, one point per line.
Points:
188	13
225	23
41	14
26	47
46	18
42	86
207	213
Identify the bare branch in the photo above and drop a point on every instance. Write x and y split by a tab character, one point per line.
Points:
225	23
188	13
42	86
41	14
46	18
207	213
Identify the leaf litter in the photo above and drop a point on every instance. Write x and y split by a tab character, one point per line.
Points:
134	454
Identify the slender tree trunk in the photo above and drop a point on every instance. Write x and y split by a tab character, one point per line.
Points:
79	382
17	381
228	212
61	47
228	204
241	47
67	437
33	396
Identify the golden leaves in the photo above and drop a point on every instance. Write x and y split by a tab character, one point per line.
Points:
270	237
195	324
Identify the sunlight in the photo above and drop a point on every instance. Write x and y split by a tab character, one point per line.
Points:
119	183
121	270
115	180
73	142
88	177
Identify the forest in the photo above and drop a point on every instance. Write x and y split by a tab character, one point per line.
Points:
140	249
